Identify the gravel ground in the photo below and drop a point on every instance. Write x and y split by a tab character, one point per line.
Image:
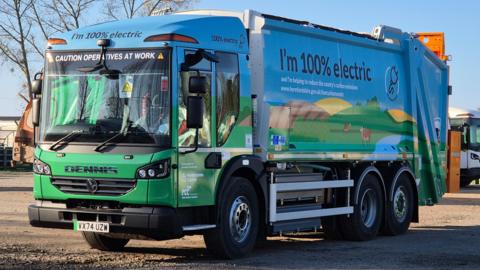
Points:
446	238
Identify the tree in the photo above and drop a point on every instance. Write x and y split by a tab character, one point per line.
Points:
127	9
25	26
14	32
63	15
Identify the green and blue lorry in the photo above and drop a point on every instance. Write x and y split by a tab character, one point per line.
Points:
237	126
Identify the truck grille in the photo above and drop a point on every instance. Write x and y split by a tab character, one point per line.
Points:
94	186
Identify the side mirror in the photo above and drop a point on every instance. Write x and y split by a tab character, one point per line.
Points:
35	112
195	112
37	83
197	85
37	86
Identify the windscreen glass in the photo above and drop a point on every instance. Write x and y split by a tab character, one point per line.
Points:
129	94
474	126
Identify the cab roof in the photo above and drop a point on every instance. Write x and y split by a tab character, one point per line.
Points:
462	113
224	33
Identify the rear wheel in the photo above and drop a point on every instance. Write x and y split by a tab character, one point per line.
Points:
366	219
104	242
237	227
331	228
464	181
400	211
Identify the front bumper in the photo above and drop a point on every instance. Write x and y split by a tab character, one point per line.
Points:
154	222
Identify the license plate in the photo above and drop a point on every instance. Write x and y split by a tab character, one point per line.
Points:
89	226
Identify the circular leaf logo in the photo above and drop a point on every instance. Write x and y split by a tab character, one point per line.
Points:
392	84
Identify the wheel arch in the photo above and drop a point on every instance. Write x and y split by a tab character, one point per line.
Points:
363	172
251	168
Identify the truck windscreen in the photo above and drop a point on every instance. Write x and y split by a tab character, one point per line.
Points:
97	105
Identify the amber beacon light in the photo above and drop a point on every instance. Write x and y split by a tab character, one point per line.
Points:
56	41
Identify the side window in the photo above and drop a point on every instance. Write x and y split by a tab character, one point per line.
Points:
186	137
475	135
228	94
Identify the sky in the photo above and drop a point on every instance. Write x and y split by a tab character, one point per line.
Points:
459	20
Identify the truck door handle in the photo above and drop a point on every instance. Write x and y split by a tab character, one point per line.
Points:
213	160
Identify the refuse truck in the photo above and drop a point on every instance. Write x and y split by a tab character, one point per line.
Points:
467	122
236	126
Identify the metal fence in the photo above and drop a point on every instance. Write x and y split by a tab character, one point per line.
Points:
7	138
5	156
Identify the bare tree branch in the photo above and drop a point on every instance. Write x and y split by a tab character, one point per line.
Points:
126	9
36	17
15	29
25	26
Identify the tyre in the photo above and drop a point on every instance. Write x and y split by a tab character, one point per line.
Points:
331	228
104	242
331	225
399	212
238	221
464	181
366	219
262	240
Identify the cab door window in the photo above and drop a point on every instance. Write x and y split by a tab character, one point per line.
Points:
228	94
186	136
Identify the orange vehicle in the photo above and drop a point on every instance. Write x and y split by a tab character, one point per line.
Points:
23	147
435	41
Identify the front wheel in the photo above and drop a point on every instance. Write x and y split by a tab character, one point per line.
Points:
104	242
237	226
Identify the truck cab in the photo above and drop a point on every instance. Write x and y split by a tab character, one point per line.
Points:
468	123
138	117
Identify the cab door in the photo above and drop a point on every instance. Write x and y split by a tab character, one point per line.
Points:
196	183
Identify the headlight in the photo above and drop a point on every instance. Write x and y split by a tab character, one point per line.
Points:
142	173
159	169
40	167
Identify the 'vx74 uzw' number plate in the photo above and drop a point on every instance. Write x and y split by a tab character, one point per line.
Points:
89	226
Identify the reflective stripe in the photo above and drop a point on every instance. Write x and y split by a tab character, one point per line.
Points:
198	227
341	156
218	149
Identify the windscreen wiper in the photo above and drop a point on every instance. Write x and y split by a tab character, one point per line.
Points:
122	133
102	144
65	139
